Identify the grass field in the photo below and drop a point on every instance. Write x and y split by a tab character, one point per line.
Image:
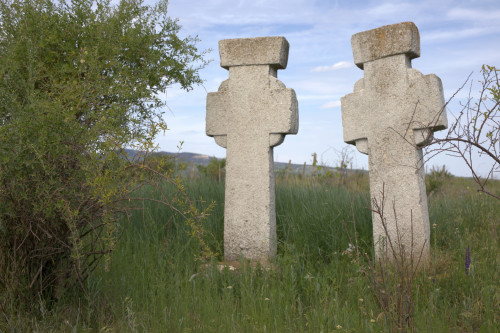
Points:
154	284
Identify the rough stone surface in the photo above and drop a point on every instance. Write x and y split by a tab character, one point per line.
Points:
386	41
272	51
249	115
393	110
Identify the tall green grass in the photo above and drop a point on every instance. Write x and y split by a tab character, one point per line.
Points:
154	284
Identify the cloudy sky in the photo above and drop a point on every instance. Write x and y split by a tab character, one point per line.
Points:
457	38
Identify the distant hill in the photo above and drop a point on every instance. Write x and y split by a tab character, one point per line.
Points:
181	157
188	158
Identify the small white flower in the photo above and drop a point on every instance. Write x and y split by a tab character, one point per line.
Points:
350	249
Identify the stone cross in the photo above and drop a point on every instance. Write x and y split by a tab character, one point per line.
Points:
393	111
249	115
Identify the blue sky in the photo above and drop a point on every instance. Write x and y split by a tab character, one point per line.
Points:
457	38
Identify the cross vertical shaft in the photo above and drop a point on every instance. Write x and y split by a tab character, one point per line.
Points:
393	110
249	115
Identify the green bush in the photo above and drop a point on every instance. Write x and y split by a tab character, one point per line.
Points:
216	169
79	82
436	179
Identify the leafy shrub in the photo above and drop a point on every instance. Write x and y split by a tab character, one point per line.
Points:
79	82
216	169
436	179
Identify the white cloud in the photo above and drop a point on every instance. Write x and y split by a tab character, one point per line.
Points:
474	15
459	34
338	65
328	86
196	13
330	105
313	97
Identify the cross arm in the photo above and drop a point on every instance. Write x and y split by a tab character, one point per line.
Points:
355	119
218	106
284	117
429	111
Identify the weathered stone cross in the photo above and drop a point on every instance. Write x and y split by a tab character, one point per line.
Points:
249	115
393	110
